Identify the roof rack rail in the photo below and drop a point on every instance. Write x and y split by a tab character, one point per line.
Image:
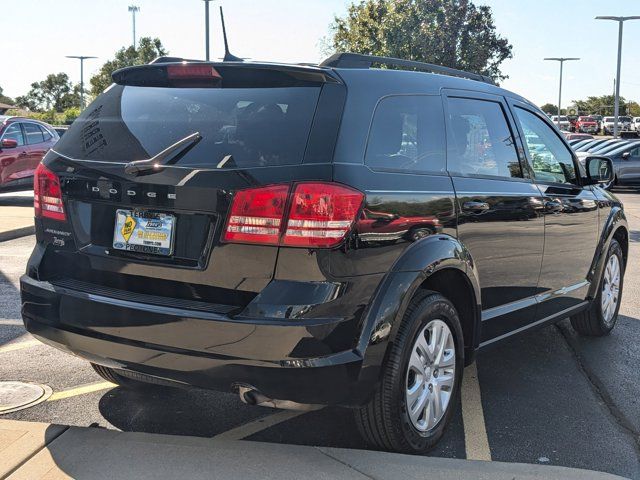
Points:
356	60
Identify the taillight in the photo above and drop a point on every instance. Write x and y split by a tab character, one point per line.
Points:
321	214
47	194
189	71
318	215
256	215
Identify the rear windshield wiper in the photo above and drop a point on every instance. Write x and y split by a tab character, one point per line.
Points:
168	156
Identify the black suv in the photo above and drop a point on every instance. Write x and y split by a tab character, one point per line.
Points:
316	235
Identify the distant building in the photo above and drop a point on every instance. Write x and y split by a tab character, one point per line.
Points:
4	107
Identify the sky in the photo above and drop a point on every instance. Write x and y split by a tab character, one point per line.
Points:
37	34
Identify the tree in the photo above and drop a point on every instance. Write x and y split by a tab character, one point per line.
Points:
4	99
453	33
549	108
602	105
148	49
56	92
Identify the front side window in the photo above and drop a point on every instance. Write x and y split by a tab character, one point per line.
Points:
479	140
33	133
407	134
14	132
552	161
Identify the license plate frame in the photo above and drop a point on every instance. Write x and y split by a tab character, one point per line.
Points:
144	231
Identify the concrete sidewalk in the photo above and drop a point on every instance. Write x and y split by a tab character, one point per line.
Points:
16	215
41	451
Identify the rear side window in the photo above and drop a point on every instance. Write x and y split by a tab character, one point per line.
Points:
46	133
33	133
250	127
407	134
14	132
480	141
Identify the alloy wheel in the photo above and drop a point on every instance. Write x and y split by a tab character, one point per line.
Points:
430	375
610	289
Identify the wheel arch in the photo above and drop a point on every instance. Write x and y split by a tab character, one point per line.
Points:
615	227
440	263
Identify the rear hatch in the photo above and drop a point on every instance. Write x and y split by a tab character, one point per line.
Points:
210	130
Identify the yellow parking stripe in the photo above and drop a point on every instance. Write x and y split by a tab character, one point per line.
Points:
81	390
258	425
19	345
475	432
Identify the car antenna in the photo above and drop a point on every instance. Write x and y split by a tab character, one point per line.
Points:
228	56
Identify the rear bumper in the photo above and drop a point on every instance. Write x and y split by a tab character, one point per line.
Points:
282	358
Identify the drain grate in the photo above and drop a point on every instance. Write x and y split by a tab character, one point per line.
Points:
16	396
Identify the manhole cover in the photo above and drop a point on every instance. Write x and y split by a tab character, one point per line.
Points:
15	396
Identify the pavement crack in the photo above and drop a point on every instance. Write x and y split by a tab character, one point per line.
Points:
601	391
346	464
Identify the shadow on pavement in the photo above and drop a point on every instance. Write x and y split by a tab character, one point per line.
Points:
10	327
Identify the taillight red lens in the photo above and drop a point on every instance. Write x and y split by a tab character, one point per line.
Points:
47	194
320	215
256	215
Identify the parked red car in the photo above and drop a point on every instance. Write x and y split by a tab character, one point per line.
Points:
23	143
586	125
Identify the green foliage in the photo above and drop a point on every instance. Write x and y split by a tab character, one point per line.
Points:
148	49
4	99
602	105
453	33
549	108
56	92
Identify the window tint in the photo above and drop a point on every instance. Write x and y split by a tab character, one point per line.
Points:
552	160
33	133
479	139
14	132
407	133
252	127
46	134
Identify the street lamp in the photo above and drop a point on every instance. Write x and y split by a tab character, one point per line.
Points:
82	58
561	60
206	27
616	107
133	9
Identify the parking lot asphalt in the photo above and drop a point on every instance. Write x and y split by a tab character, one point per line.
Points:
550	397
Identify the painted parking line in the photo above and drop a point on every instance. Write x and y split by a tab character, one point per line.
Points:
12	323
258	425
19	345
81	390
475	431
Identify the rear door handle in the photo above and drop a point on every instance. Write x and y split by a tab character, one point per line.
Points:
553	206
22	154
475	206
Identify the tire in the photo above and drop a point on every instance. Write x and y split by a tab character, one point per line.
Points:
385	421
597	320
131	381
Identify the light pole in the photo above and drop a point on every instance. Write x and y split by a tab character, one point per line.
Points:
561	60
82	58
134	9
206	28
616	105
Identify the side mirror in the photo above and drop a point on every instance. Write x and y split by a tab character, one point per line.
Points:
9	143
599	170
626	155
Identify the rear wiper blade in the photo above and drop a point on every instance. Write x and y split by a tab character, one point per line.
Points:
169	155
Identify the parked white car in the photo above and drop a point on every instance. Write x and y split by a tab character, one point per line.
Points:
564	122
635	124
624	124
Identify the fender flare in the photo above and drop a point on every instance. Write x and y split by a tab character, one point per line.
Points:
615	220
421	260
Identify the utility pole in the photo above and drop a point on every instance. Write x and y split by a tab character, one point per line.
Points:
561	60
206	28
82	58
134	9
616	106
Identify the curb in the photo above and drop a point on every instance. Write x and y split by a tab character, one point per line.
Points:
17	233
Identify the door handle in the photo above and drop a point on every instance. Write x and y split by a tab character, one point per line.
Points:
22	154
553	206
475	206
